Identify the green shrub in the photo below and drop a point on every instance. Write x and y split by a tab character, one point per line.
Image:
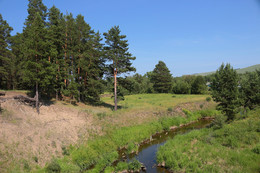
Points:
256	149
219	121
109	170
170	109
53	167
35	158
121	166
186	112
26	166
207	113
208	99
135	165
131	147
201	106
65	151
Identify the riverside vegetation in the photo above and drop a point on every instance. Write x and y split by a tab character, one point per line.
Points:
101	151
232	148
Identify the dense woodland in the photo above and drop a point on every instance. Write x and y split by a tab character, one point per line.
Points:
60	56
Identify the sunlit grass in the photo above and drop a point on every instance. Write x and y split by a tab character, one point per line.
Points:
232	148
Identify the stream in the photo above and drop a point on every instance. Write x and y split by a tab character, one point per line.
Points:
147	152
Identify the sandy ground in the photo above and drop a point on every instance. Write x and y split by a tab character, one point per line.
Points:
36	138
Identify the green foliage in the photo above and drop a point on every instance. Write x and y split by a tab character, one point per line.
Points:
6	57
170	109
26	166
219	121
131	148
256	149
250	90
109	169
187	112
117	53
65	151
208	99
225	90
134	165
121	166
53	167
228	149
161	78
198	86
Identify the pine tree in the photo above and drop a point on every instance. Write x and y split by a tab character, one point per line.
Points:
38	70
6	56
225	90
34	7
161	78
117	53
55	37
17	47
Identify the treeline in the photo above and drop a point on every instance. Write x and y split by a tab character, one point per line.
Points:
60	56
159	80
57	54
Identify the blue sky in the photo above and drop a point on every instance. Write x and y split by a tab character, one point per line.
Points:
190	36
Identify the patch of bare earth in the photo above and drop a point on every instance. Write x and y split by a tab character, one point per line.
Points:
36	138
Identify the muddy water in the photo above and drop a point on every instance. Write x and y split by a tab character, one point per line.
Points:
147	152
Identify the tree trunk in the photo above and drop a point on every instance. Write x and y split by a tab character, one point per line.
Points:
37	99
115	92
57	95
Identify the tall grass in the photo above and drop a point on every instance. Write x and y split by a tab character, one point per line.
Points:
229	149
102	151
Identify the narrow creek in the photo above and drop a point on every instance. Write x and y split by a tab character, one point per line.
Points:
147	152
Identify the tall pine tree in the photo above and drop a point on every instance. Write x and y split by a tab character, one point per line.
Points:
117	53
161	78
225	90
38	70
6	56
55	38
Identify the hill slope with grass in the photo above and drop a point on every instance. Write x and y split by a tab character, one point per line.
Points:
239	71
80	134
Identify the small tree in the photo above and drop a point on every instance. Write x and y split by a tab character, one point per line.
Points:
161	78
250	89
116	52
198	86
225	90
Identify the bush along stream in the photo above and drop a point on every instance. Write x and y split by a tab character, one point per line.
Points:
233	147
101	154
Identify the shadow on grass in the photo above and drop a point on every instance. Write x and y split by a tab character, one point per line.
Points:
106	105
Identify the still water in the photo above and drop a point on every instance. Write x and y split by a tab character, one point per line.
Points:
147	152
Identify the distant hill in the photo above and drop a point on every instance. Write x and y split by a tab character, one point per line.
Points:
239	71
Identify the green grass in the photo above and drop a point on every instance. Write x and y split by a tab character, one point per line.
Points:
102	150
232	148
153	101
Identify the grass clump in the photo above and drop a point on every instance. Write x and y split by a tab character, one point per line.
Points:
208	99
53	167
232	148
121	166
101	115
134	166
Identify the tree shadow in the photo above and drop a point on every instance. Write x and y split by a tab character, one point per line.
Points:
106	105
